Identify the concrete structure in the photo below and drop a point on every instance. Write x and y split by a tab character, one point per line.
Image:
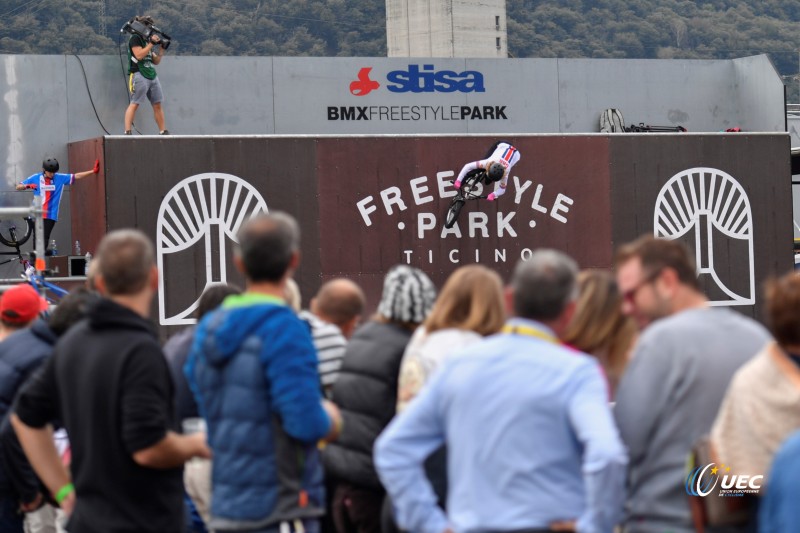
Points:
446	28
46	103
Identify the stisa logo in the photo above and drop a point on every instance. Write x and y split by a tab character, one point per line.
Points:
702	481
416	80
363	85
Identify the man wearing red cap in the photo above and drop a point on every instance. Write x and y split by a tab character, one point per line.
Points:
19	307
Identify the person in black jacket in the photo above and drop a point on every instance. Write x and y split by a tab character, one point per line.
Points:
366	394
20	355
109	383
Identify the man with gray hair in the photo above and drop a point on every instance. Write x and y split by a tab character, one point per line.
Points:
253	371
526	420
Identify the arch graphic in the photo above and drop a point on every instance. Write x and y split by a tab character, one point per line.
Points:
203	206
706	199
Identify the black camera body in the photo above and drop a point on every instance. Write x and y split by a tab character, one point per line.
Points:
146	31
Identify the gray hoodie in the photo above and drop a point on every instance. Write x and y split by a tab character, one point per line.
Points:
668	398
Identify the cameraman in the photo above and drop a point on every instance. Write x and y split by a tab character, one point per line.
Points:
142	80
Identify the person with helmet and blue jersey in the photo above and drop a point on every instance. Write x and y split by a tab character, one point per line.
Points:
497	164
50	184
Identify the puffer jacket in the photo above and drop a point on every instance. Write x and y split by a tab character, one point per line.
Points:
253	371
21	354
366	394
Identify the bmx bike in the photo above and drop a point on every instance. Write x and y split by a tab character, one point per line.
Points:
468	191
14	232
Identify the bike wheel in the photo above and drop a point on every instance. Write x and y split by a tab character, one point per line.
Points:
452	212
15	231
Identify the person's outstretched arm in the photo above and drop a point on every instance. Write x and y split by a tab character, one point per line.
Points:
95	170
499	189
30	182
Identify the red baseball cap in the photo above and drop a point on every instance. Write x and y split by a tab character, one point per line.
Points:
21	304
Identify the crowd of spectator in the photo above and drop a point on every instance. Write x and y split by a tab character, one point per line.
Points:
564	400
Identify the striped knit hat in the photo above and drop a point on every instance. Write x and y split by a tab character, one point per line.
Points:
408	295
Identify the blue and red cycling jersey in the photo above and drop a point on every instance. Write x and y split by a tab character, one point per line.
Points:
52	189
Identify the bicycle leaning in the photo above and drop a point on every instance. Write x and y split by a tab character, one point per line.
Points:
473	184
14	232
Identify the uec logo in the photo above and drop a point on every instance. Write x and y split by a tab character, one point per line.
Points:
701	481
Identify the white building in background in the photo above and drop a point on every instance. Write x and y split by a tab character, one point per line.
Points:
446	28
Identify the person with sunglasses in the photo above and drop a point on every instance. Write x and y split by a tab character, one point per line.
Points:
673	386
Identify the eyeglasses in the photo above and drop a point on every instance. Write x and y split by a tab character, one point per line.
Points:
630	295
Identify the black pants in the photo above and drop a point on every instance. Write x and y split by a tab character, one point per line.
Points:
356	509
49	224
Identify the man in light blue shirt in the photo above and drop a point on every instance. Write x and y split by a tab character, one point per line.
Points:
530	437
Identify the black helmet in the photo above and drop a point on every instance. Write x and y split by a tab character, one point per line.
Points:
495	172
50	164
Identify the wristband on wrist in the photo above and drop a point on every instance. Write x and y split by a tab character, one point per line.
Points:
63	492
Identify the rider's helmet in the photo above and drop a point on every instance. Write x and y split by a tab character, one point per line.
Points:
50	164
495	172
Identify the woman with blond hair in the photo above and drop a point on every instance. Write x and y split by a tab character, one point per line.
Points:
599	326
469	307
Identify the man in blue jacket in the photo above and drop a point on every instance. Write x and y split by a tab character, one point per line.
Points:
253	371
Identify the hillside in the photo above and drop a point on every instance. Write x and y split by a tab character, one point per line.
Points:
717	29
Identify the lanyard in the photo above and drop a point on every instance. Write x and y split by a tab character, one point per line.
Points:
530	332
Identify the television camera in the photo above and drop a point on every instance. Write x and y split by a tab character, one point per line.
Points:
143	27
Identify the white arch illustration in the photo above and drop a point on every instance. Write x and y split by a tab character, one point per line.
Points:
684	204
183	221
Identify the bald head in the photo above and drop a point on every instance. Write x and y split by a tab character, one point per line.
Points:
341	302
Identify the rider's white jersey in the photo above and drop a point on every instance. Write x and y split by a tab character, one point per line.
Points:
505	154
